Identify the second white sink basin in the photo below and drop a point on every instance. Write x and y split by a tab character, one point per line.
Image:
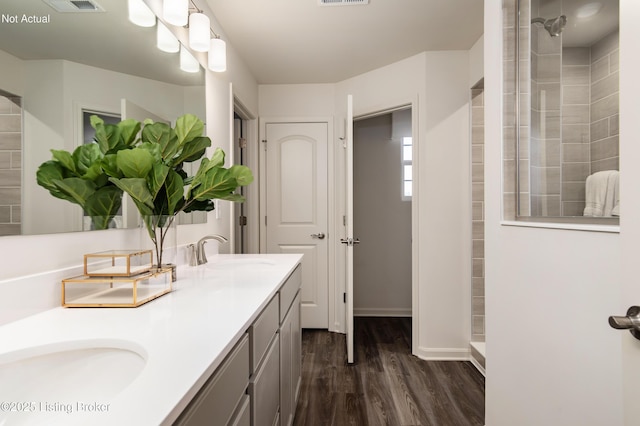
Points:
250	262
87	370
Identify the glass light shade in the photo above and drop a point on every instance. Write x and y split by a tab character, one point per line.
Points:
140	14
199	32
187	62
217	55
167	42
176	12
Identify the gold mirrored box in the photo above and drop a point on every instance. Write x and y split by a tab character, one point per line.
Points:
121	263
124	292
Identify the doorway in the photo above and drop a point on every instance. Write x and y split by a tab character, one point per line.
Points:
382	179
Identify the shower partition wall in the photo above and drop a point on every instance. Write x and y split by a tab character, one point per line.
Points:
566	103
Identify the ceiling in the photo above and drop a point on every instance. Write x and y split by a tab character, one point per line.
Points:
299	41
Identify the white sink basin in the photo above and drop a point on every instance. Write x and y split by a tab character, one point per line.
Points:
69	372
249	262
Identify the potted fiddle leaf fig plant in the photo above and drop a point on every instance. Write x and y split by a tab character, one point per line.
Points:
153	175
79	177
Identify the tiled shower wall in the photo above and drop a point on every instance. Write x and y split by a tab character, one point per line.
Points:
10	164
477	202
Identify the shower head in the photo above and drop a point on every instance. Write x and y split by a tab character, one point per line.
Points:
554	26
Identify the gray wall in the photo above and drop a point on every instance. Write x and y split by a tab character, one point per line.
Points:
477	218
382	220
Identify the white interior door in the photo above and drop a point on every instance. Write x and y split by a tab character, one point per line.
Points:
350	241
296	208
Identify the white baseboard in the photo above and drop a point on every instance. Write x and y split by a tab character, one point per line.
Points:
381	312
478	367
443	354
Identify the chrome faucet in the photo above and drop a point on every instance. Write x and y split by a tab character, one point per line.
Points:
200	255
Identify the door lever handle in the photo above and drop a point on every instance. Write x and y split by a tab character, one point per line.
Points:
630	322
319	236
350	241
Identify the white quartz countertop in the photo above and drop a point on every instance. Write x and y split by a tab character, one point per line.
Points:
183	336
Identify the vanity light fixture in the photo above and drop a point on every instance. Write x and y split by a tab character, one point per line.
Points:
188	63
199	32
217	60
176	12
140	14
166	41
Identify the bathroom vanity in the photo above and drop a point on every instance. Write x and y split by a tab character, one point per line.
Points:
225	346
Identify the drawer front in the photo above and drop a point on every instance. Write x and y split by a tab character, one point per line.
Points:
216	402
264	388
288	291
261	332
243	417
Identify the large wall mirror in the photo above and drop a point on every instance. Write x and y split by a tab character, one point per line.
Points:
568	156
54	67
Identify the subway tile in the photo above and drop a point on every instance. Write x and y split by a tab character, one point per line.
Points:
575	114
477	116
6	105
608	164
10	196
478	286
600	69
16	214
477	135
575	95
478	325
575	172
545	124
575	133
605	148
477	210
10	141
10	229
5	160
605	107
477	191
546	153
477	154
508	13
10	178
5	214
16	160
509	205
576	56
572	208
575	75
477	173
576	152
599	129
509	143
547	44
10	123
605	87
477	97
573	191
478	268
478	249
548	68
477	230
614	61
509	44
548	96
545	180
546	205
478	305
614	124
605	46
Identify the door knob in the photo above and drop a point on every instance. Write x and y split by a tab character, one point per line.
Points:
350	241
630	322
319	236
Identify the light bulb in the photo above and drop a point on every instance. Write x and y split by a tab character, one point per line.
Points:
140	14
187	62
176	12
199	32
217	55
167	42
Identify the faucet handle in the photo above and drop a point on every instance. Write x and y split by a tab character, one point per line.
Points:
192	255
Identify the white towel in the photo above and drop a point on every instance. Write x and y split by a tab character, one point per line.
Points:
601	189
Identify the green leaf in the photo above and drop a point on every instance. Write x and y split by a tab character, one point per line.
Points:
135	163
76	188
65	159
188	127
103	205
129	129
110	165
194	149
95	174
201	206
161	134
85	156
156	178
175	191
47	173
217	183
138	190
242	174
107	135
154	150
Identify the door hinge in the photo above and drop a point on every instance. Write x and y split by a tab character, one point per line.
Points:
264	141
265	221
344	220
242	143
344	297
242	220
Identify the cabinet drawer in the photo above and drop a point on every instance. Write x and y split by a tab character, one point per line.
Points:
288	291
264	388
216	402
243	417
261	332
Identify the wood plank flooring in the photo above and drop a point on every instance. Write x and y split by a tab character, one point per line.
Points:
386	385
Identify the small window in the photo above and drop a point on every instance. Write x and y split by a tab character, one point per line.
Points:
407	168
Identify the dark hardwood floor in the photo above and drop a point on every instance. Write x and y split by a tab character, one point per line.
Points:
386	385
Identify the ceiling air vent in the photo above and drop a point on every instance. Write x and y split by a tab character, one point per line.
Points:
70	6
341	2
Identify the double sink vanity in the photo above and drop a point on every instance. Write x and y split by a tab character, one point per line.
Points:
223	348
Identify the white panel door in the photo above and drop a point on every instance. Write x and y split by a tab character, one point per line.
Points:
349	240
296	210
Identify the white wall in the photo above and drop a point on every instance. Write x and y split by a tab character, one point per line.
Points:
552	359
476	62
